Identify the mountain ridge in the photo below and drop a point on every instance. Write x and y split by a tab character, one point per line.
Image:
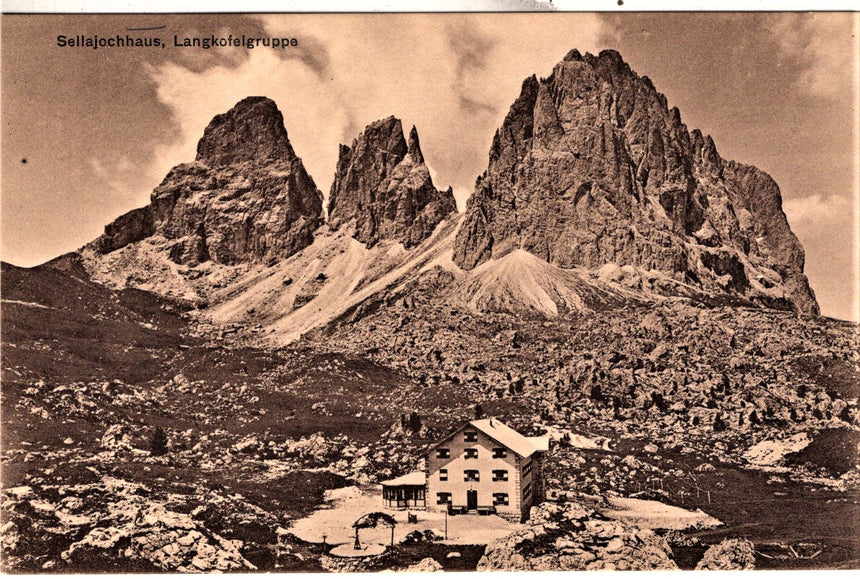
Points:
591	167
589	172
246	196
162	388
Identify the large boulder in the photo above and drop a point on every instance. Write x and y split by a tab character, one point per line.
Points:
728	555
571	537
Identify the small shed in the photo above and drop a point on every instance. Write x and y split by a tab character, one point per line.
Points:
405	492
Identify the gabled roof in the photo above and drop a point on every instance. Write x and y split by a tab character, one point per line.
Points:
541	443
505	436
412	479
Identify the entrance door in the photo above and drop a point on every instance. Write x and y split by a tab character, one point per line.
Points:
472	500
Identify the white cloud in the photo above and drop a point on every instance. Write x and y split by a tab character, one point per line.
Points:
453	76
827	227
816	43
816	212
120	175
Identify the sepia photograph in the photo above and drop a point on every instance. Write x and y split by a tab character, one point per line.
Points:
461	291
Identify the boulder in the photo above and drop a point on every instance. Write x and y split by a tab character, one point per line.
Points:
728	555
569	536
426	565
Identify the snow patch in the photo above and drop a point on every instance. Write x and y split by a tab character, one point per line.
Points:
28	304
770	452
578	440
657	515
341	494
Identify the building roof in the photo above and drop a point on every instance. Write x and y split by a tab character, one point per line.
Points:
504	435
412	479
507	436
541	443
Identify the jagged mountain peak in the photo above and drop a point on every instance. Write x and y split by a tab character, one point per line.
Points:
252	131
383	183
413	147
591	167
246	198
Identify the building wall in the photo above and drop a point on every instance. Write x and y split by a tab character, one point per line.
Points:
531	482
404	497
485	464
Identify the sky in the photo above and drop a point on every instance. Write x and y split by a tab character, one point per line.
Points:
87	134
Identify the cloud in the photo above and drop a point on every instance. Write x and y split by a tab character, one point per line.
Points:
815	44
472	50
817	212
827	227
198	60
453	76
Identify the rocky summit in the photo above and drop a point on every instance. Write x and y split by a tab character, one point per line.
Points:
246	197
383	184
591	167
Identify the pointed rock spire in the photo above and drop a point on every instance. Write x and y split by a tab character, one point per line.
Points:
413	147
383	184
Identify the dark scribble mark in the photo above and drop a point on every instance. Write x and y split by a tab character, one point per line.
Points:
147	28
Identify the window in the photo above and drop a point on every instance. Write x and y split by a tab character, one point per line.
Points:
500	475
527	490
443	474
500	452
471	475
443	453
500	499
471	453
443	498
527	468
470	436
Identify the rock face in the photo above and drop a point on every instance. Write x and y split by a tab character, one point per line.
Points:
591	167
570	537
728	555
246	197
383	183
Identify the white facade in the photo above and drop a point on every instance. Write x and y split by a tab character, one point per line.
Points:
485	466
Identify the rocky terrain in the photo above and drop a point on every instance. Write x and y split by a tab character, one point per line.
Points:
245	198
591	167
183	389
569	537
382	183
